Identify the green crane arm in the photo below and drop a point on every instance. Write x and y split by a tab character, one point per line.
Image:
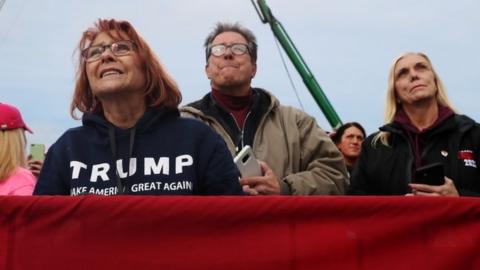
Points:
266	16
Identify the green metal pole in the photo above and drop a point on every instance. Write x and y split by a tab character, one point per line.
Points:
267	17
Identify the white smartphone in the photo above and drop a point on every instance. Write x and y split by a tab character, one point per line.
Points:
246	163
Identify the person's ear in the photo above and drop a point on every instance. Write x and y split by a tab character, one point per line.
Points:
254	70
207	71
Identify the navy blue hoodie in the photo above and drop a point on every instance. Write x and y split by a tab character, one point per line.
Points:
162	154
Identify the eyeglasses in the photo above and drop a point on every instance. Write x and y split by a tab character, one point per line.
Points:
119	48
235	48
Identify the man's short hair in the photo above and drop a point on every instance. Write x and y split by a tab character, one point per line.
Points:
222	27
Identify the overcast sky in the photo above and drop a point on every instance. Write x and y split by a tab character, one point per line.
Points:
348	45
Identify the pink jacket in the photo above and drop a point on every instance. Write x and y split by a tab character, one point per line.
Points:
20	182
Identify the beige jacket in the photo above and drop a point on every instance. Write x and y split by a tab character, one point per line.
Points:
298	151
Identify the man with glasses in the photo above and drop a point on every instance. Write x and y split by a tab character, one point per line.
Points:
296	156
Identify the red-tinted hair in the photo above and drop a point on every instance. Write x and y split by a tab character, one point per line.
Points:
160	88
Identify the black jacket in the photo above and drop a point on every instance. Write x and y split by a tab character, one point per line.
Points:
162	155
387	170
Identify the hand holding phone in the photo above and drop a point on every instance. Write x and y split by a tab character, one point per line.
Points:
431	174
246	163
37	151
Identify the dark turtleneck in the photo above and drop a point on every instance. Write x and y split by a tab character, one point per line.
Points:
235	105
416	136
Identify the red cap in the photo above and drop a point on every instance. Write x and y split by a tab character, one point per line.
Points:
10	118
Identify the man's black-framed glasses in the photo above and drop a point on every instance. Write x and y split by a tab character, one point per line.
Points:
118	48
235	48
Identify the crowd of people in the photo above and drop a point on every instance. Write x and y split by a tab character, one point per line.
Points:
135	139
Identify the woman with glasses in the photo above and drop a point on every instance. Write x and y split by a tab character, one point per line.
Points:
132	140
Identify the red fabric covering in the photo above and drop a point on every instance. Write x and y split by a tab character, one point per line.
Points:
239	233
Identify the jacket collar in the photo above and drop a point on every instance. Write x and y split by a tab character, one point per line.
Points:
455	121
402	119
260	97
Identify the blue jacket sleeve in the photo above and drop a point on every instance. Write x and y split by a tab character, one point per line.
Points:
221	176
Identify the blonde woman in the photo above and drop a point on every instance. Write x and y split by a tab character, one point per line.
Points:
15	179
422	128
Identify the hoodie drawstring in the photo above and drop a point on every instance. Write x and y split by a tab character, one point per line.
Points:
132	141
113	146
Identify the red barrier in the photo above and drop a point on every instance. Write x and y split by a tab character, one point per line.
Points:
239	233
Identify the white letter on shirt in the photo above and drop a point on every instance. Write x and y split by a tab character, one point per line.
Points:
99	170
163	166
182	161
132	168
76	165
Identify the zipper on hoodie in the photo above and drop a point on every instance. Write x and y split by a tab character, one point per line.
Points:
240	129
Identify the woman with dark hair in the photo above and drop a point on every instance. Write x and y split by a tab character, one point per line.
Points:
348	138
132	140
